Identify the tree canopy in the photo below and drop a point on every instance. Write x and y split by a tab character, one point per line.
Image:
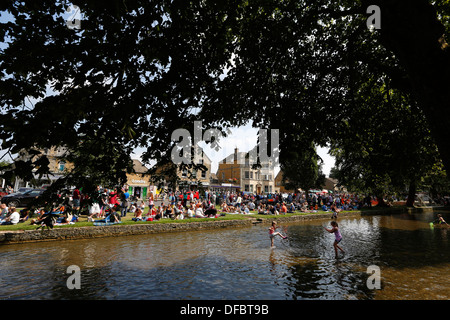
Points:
138	70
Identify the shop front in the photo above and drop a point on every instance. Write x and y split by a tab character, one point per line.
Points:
139	187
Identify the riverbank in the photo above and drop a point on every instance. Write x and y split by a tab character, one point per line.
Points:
139	228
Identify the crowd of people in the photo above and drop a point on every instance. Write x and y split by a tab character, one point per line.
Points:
193	204
117	203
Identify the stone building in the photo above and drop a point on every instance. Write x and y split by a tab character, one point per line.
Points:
139	183
235	171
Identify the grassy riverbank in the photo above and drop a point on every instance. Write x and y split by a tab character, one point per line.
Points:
25	233
83	221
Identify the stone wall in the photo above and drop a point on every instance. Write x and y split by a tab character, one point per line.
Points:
72	233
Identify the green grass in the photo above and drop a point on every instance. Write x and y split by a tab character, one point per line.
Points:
82	220
127	220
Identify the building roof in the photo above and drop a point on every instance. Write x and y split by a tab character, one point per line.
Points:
139	167
241	156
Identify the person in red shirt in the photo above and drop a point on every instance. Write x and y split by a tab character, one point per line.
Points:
283	209
113	198
76	197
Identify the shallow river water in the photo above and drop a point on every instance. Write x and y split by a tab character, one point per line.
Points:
238	263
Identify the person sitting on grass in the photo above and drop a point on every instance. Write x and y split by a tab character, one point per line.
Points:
283	209
113	215
261	209
3	212
66	219
39	218
178	211
191	211
304	207
335	211
24	215
224	207
137	215
291	208
13	217
210	212
199	211
273	210
152	212
168	212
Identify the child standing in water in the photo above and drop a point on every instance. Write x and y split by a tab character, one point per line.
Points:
338	237
441	220
273	233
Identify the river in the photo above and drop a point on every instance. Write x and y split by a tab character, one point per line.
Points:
413	260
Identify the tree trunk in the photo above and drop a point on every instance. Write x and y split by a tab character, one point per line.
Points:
411	194
411	30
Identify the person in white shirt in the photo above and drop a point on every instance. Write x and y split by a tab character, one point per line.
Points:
13	217
190	211
238	201
199	212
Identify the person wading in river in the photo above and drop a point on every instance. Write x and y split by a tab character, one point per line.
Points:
338	237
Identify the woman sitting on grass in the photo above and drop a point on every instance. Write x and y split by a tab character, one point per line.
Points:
39	218
304	207
191	211
168	211
138	215
199	211
224	207
210	212
262	209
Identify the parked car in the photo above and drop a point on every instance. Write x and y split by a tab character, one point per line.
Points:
22	199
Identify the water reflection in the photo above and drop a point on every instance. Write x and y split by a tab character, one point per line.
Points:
239	264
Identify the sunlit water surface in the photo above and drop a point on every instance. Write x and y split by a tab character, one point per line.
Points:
238	263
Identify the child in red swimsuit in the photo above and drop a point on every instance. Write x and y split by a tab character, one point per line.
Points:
273	233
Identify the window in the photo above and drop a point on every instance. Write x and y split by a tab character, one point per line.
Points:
61	165
246	187
203	174
270	189
184	173
266	189
247	175
251	174
251	188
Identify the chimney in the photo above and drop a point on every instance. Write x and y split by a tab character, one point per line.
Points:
236	150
